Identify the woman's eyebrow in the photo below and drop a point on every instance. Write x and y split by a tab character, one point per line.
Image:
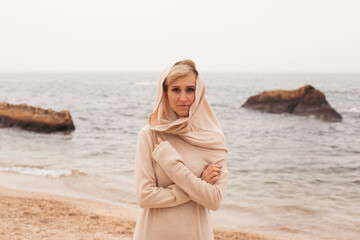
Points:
191	86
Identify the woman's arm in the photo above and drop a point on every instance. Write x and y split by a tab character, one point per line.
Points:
200	191
147	193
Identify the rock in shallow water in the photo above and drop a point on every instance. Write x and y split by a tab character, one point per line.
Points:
35	118
305	101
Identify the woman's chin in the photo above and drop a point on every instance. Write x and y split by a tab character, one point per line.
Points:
182	114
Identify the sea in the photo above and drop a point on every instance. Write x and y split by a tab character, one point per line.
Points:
289	176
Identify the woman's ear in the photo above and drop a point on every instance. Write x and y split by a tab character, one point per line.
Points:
165	94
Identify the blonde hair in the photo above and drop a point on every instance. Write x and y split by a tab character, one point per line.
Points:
180	69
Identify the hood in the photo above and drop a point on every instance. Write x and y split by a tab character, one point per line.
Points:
200	128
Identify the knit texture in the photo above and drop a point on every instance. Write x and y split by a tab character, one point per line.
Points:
175	203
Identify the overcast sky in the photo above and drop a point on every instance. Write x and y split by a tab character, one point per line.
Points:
234	35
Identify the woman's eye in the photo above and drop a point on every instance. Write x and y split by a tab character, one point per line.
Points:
191	89
175	90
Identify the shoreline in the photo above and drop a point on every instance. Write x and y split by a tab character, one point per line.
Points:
50	211
45	216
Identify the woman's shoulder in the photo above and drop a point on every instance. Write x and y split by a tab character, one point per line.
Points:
147	132
145	129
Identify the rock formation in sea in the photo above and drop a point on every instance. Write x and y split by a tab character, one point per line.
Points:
35	118
306	101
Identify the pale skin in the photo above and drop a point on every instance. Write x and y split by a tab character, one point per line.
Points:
181	95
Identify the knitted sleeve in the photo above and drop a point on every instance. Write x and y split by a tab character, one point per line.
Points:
205	194
147	193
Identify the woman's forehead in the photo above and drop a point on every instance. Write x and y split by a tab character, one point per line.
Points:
189	80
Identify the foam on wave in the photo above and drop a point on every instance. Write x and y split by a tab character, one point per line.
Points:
40	171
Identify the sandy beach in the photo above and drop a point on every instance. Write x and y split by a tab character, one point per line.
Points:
32	215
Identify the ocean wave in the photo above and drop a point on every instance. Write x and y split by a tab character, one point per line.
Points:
354	110
40	171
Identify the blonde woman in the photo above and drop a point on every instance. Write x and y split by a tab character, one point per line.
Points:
180	172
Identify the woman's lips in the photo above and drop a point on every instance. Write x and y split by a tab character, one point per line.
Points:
183	106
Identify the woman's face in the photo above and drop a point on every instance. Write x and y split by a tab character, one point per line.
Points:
181	94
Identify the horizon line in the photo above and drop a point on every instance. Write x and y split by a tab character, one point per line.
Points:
253	72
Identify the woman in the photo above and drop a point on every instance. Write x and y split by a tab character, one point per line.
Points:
180	168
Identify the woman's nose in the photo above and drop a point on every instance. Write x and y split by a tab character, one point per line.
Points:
183	97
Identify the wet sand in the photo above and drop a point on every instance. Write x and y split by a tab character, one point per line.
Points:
31	215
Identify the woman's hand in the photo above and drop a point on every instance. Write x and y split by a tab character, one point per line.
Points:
159	140
211	173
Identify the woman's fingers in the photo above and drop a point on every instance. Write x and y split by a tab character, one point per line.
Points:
211	173
216	168
213	180
208	170
212	168
206	174
159	139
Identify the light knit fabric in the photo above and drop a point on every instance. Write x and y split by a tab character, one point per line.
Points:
175	203
201	127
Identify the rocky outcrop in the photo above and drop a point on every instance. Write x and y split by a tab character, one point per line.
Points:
34	118
304	101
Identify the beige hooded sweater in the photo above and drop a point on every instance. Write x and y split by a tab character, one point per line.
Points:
175	203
